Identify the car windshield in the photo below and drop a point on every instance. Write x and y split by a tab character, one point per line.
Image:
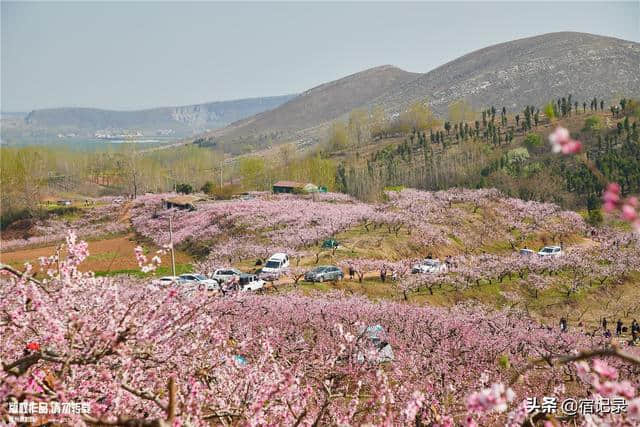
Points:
547	250
431	263
200	276
273	264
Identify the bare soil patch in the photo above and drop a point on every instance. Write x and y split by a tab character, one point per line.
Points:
104	255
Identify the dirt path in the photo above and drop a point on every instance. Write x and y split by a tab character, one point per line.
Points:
105	255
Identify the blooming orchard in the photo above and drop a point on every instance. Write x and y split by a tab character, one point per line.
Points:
145	355
96	221
137	352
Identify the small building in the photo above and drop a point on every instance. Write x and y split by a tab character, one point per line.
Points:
185	202
288	187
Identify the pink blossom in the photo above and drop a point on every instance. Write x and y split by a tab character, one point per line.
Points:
633	410
414	405
629	209
604	370
611	197
561	142
490	399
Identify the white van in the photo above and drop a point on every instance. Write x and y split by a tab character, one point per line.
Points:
275	265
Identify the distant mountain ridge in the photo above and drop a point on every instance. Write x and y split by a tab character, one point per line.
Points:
183	120
527	71
320	104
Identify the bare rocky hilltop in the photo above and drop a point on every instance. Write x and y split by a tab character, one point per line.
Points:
528	71
323	103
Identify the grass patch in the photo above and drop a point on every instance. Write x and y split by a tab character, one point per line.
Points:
160	271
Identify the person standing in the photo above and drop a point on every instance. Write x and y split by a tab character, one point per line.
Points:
383	274
604	323
351	272
618	327
563	324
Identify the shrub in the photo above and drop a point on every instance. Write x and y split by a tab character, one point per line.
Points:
208	188
10	216
594	217
532	141
549	111
593	123
226	192
184	188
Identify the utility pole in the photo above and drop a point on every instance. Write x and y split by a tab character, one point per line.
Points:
173	256
221	164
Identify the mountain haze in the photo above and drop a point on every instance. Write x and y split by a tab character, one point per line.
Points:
183	120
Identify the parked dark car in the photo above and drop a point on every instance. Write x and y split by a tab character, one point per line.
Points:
324	273
330	244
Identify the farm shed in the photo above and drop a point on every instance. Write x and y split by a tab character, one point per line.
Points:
288	187
181	202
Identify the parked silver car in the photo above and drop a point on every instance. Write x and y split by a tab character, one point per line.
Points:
200	280
429	266
324	273
223	275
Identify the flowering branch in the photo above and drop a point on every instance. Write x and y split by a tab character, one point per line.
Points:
614	351
17	273
561	142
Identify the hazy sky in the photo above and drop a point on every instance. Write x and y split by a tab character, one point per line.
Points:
138	55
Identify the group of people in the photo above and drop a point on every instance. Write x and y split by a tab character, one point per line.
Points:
620	328
384	273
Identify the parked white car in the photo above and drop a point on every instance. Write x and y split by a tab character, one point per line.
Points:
250	282
551	251
200	280
429	266
167	281
274	266
223	275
